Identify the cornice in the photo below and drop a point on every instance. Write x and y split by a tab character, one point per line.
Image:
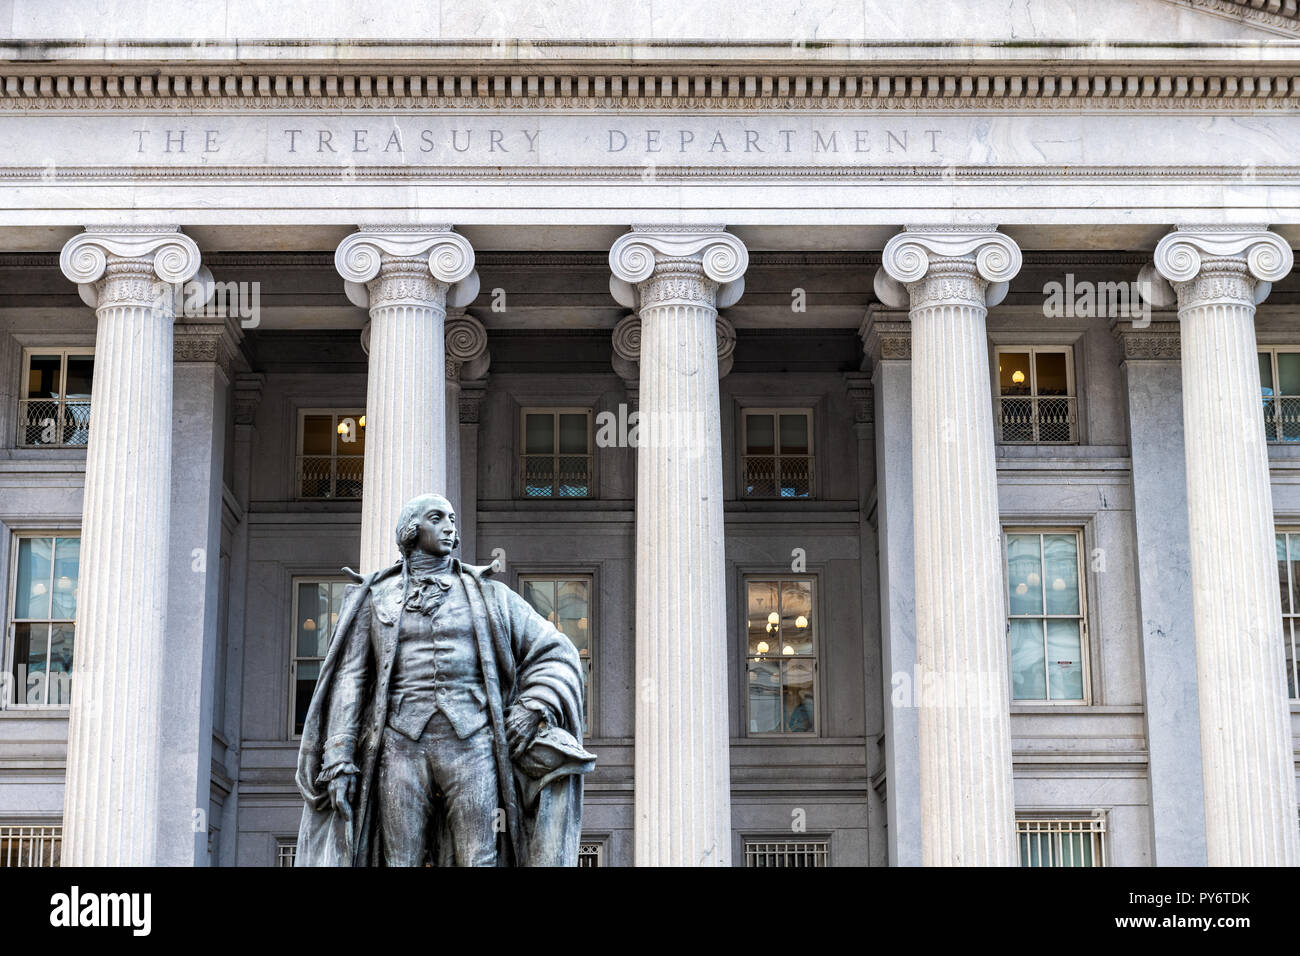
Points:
1278	16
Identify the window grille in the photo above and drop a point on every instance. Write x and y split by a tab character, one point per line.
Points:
1062	842
787	853
31	845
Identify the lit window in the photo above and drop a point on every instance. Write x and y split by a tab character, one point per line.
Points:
54	410
1070	841
316	606
44	613
556	458
778	454
1036	400
781	665
1045	612
1288	579
565	601
1279	380
787	852
331	453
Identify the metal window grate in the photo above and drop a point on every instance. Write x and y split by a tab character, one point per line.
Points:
1282	418
325	476
1040	420
31	845
591	854
286	852
787	853
557	476
53	423
778	476
1062	842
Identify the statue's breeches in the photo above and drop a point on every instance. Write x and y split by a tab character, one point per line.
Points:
411	775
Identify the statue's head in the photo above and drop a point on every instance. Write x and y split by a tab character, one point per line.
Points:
427	523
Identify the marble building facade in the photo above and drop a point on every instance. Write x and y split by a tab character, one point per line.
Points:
907	431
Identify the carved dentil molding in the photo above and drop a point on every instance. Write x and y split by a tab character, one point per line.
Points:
407	265
1233	264
130	265
955	264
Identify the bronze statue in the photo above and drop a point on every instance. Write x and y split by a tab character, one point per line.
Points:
446	725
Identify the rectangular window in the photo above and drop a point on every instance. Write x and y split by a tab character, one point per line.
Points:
286	853
787	852
777	461
44	612
331	453
1036	401
781	655
1076	841
1279	380
54	406
1288	579
591	853
316	605
556	459
565	601
1046	628
39	845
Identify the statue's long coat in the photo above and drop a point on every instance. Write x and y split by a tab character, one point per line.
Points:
521	653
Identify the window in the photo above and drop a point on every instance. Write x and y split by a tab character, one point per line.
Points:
591	853
1036	400
1045	619
316	607
787	852
1279	380
54	410
286	853
781	667
778	455
44	611
565	601
331	453
40	845
1288	579
556	459
1075	841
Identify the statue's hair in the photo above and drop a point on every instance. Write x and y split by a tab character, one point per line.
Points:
408	523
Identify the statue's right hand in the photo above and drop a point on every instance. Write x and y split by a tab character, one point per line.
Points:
341	790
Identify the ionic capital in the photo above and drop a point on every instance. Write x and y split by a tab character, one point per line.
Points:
627	346
690	265
407	265
130	265
1222	264
960	265
466	348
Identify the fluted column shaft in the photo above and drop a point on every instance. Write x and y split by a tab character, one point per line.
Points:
683	779
406	276
112	784
1248	762
967	804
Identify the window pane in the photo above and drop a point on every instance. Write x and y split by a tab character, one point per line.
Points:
1266	372
1064	660
1294	555
572	608
1027	679
573	434
1288	373
764	618
1061	565
67	553
59	692
1282	584
317	434
796	618
347	435
764	680
1024	574
541	595
539	434
81	369
1289	640
794	434
1013	373
32	591
43	376
31	643
305	677
313	619
798	697
1052	379
760	435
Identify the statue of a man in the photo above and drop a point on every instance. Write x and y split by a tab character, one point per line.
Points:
446	725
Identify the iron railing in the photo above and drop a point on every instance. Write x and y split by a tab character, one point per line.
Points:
51	422
1039	420
31	845
777	476
556	476
326	476
1282	418
787	853
1062	842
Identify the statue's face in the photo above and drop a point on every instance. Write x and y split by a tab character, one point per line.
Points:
437	530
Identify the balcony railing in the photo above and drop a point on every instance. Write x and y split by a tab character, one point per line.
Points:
1062	842
50	423
556	476
324	477
1039	420
30	845
778	476
788	853
1282	418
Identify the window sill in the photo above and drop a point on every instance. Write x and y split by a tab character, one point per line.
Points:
37	713
1038	707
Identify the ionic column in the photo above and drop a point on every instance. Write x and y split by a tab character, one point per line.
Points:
1247	752
111	808
403	275
677	278
967	806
